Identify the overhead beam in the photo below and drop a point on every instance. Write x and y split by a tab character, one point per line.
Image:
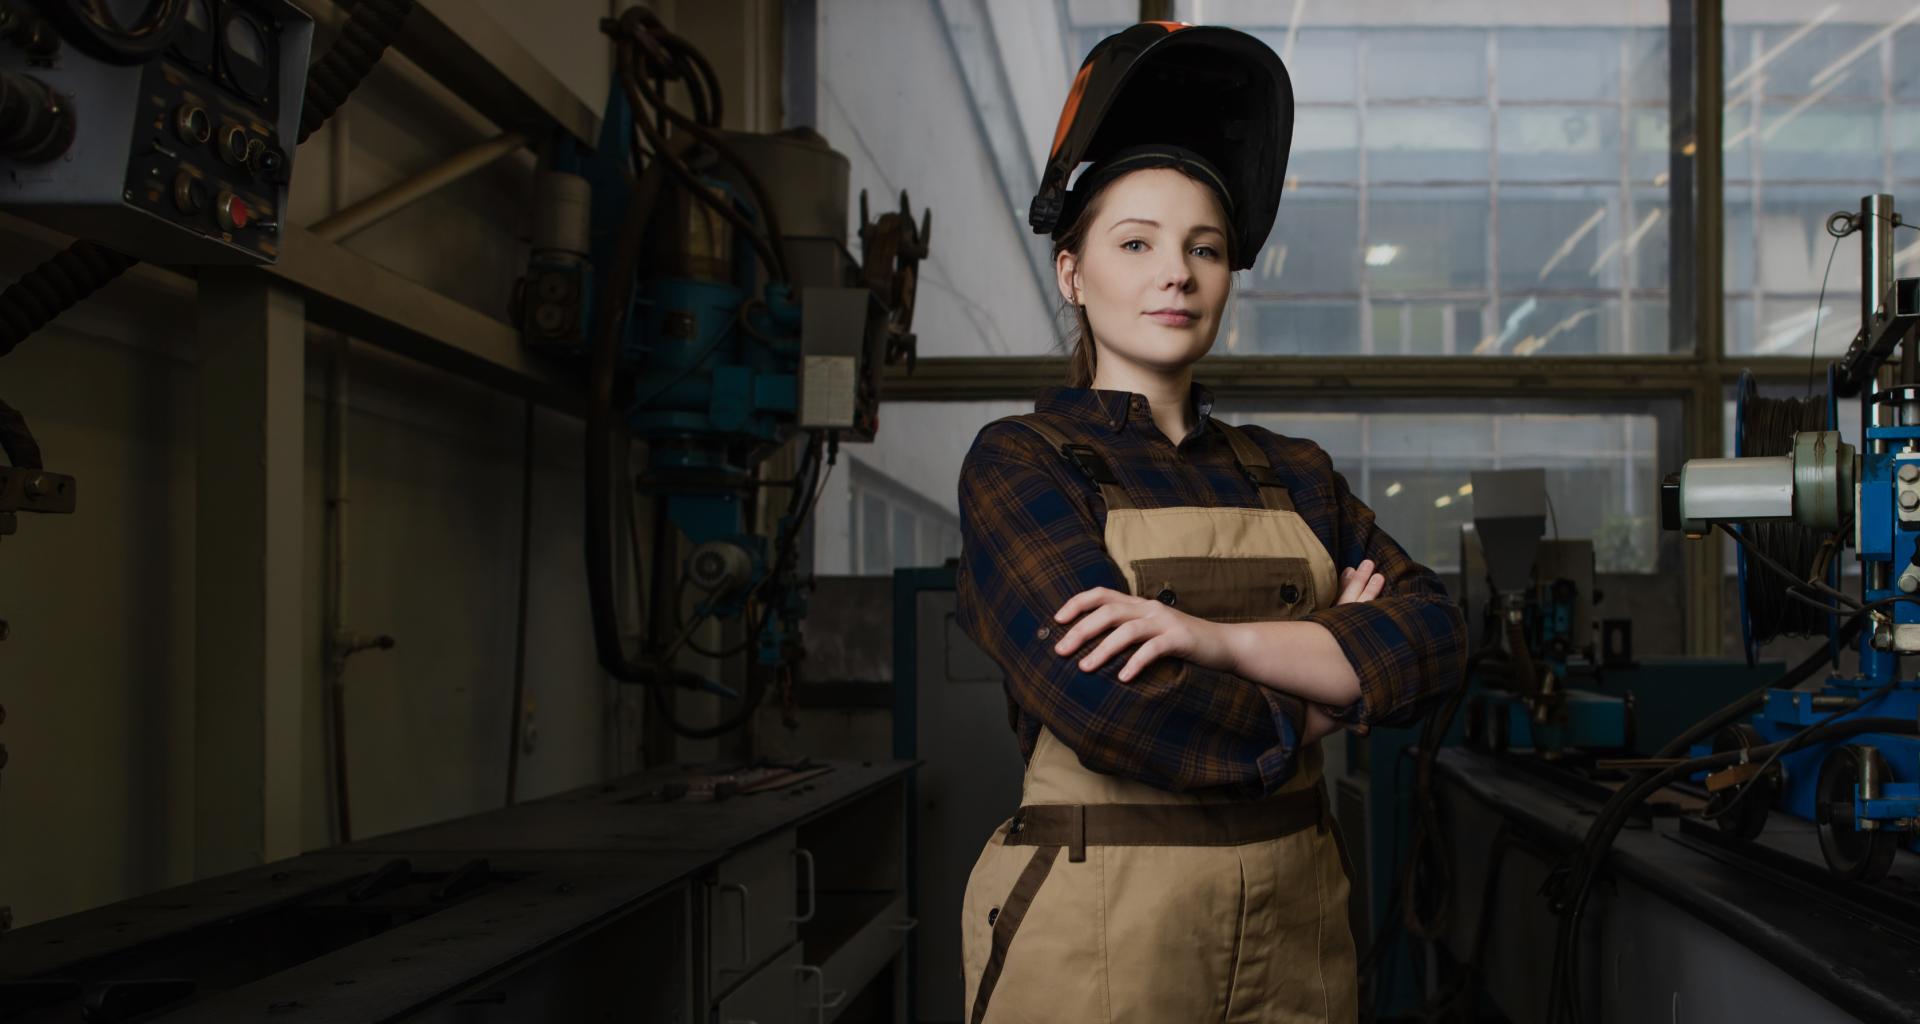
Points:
971	379
350	293
461	45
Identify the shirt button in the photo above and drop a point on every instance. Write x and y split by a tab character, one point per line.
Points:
1042	633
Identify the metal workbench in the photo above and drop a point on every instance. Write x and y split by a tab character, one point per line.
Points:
595	902
1684	925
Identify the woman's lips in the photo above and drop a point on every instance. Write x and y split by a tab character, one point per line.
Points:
1174	318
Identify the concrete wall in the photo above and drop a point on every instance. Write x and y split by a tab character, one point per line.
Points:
97	677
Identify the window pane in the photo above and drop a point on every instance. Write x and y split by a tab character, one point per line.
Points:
1315	245
1324	63
1559	144
1427	144
1326	146
1426	65
1559	239
1559	65
1561	327
1279	327
1427	240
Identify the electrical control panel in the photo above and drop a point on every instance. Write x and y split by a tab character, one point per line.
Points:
181	156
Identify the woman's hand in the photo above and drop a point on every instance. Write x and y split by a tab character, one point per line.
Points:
1127	620
1360	583
1357	585
1163	631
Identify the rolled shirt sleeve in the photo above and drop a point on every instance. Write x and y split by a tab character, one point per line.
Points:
1408	646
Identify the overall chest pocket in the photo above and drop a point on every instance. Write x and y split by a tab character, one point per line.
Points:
1229	589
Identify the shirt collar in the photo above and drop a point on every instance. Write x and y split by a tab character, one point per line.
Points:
1113	409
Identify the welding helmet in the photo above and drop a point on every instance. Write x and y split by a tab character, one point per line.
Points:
1214	102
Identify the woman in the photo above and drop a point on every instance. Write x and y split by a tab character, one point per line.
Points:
1160	588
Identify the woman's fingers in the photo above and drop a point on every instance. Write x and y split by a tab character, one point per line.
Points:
1143	657
1374	586
1353	582
1092	624
1122	637
1079	604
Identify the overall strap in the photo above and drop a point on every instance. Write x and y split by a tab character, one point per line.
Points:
1084	456
1254	465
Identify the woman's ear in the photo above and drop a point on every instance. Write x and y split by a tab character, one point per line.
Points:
1066	276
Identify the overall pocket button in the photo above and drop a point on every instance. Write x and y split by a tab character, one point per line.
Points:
1166	596
1289	593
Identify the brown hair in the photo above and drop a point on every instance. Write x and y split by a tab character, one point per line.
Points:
1081	358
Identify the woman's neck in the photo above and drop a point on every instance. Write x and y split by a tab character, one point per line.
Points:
1169	398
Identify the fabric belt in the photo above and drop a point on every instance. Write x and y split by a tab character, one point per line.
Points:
1078	826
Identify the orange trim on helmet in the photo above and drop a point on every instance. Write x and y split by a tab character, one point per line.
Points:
1170	26
1073	107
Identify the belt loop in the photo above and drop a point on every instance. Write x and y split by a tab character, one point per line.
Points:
1077	835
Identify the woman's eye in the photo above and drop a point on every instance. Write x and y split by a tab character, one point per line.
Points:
1129	244
1206	251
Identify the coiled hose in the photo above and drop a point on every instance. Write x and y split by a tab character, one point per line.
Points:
53	287
85	267
1768	426
370	28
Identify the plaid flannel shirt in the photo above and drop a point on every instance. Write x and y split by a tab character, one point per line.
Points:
1032	535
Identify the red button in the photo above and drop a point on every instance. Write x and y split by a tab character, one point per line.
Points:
232	211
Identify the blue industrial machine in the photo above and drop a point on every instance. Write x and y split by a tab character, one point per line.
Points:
1796	490
702	278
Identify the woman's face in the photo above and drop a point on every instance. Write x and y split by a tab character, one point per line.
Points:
1152	270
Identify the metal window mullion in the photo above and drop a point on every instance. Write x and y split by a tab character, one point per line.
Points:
1756	190
1490	317
1627	207
1361	56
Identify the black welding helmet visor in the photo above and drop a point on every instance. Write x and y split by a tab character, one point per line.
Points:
1193	90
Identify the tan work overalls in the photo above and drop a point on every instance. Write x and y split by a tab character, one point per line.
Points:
1108	900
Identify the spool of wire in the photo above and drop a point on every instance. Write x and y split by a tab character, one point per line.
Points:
1765	426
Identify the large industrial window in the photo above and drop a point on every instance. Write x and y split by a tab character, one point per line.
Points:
1491	183
1822	107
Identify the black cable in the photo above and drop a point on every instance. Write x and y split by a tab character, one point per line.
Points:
1769	426
53	287
1428	858
602	424
1765	766
1605	828
370	28
1819	306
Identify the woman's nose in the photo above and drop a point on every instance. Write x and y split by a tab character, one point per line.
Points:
1177	275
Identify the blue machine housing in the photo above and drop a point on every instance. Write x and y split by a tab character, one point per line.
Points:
715	372
1879	539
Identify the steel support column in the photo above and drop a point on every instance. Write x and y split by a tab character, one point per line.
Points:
1700	31
247	563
